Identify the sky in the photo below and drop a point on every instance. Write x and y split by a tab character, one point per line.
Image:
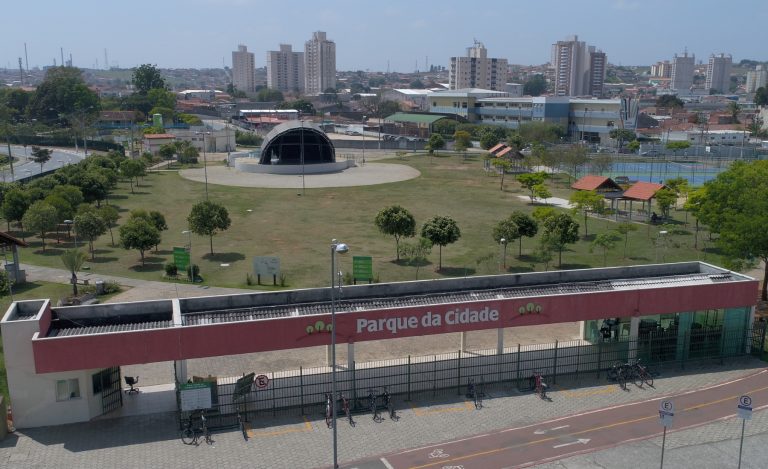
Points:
395	35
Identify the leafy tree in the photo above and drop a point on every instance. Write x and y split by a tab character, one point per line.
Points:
396	221
461	140
530	180
585	202
574	157
167	151
15	204
535	86
621	136
89	225
187	153
507	230
266	95
62	96
133	169
110	215
40	217
503	165
41	156
735	205
761	96
542	192
5	283
64	210
491	135
669	100
416	253
665	199
624	229
602	163
734	109
147	77
540	132
634	145
605	241
544	252
526	226
543	213
137	233
446	127
678	145
441	230
436	143
93	185
207	218
70	193
73	260
559	231
693	204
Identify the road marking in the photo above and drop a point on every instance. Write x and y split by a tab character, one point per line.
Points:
602	427
386	463
438	453
441	410
305	428
581	441
544	432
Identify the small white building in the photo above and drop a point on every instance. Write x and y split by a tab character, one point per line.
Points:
220	140
711	137
152	142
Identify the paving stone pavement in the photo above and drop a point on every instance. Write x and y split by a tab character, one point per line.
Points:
290	441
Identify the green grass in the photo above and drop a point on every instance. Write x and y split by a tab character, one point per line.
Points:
299	229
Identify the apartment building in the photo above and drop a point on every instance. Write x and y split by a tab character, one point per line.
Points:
757	79
577	69
243	70
285	69
719	73
597	69
319	64
476	70
682	72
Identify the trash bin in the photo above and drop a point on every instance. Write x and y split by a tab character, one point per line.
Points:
99	287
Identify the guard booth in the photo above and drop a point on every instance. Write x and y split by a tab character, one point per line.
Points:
226	403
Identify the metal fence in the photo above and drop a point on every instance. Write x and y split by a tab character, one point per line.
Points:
303	391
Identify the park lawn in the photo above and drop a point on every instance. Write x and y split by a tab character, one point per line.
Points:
299	229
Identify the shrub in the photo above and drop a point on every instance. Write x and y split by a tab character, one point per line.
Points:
111	287
193	271
171	269
248	278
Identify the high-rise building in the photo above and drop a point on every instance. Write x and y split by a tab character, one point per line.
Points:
661	69
243	70
285	69
682	72
719	73
597	70
571	63
319	64
476	70
757	79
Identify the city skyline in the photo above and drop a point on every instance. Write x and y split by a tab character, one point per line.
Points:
400	36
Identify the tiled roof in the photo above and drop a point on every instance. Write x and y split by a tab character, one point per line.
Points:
496	147
158	136
642	190
503	152
592	182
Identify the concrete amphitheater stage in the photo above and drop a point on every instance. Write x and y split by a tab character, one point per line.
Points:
367	175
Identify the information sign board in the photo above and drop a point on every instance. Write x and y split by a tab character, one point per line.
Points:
181	258
666	412
266	265
195	396
362	268
745	407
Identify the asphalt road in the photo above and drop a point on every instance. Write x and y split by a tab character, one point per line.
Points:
25	167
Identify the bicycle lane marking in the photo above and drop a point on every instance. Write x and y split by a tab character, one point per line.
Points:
441	410
642	415
306	427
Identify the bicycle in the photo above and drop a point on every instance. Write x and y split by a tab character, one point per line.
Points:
328	410
388	404
474	394
347	410
372	405
618	373
241	424
642	373
540	385
191	435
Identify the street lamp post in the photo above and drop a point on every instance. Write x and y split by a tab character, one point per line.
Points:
189	240
301	153
503	246
363	132
339	248
205	162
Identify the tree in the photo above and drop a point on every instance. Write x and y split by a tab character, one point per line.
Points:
540	132
89	225
15	204
530	180
735	205
461	140
678	145
761	96
665	198
63	95
559	231
266	95
133	169
526	226
41	156
601	163
605	241
541	191
624	229
73	260
585	202
502	165
207	218
147	77
507	230
40	217
416	253
167	152
137	233
442	231
621	136
634	145
93	184
396	221
574	158
535	86
110	215
436	143
693	204
669	100
491	135
446	127
734	108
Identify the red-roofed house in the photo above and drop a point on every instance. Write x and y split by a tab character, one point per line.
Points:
153	142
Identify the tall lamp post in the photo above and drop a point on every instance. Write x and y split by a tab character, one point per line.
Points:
503	246
205	162
336	248
363	132
301	153
189	240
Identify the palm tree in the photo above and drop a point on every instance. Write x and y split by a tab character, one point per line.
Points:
73	259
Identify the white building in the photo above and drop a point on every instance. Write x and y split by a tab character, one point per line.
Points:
719	73
203	95
410	99
579	70
319	64
212	140
285	69
243	70
757	79
682	72
476	70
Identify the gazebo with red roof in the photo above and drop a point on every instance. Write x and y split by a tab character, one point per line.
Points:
643	192
600	184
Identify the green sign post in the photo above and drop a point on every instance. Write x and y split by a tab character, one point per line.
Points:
181	258
362	268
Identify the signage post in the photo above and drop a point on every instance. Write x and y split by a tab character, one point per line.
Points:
181	258
362	268
266	265
745	413
666	414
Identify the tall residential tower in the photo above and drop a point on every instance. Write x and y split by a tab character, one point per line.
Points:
243	70
579	70
319	64
682	72
285	69
719	73
476	70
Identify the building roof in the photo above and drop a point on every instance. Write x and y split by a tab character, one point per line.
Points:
591	182
159	136
642	190
5	238
413	91
415	118
496	147
503	152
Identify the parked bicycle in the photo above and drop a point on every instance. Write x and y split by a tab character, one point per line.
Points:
475	394
389	404
372	405
190	434
618	373
540	385
345	407
641	373
328	410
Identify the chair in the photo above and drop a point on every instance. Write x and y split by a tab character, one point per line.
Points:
132	381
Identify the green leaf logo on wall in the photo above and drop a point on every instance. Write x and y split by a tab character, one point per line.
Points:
530	308
319	326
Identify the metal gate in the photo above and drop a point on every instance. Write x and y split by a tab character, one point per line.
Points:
111	391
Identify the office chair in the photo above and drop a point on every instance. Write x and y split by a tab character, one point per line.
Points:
132	381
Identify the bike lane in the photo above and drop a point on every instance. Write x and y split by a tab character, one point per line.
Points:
585	432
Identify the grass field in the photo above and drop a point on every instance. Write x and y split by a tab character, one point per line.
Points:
299	229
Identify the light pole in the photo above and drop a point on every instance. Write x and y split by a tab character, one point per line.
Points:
340	248
301	153
189	240
363	132
503	246
205	162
